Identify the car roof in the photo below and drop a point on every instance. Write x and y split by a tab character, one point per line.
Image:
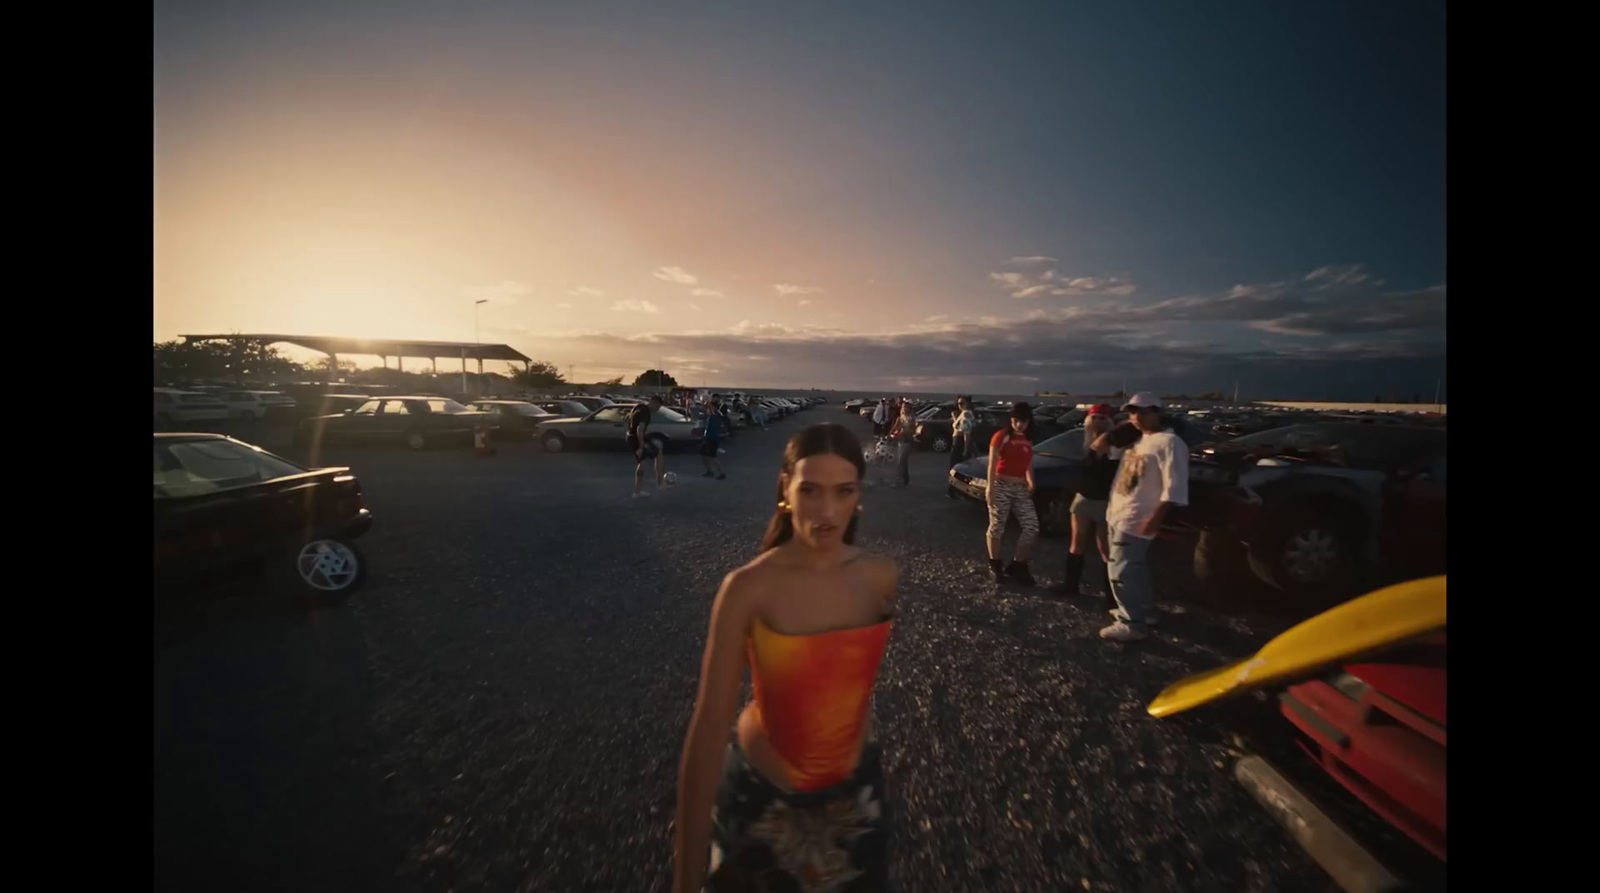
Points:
171	437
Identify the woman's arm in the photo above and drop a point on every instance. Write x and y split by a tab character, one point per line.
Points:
721	672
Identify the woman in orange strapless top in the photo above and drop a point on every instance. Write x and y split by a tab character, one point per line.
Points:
799	793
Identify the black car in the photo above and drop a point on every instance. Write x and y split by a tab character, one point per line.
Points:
418	422
222	505
1057	465
1311	508
516	418
935	433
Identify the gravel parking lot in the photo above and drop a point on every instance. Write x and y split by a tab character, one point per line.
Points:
502	706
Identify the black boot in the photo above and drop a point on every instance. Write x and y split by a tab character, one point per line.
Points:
997	570
1018	571
1069	585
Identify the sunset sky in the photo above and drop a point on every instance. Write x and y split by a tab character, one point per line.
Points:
930	196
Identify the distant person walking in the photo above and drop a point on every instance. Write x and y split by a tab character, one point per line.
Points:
1010	492
905	428
644	449
880	418
1089	505
716	427
966	418
1152	477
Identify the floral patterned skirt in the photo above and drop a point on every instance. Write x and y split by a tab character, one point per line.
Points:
767	839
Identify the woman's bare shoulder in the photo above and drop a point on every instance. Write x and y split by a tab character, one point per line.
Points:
880	569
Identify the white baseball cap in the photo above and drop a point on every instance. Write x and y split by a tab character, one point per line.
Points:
1143	400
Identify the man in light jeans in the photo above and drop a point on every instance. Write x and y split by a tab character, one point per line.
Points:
1152	477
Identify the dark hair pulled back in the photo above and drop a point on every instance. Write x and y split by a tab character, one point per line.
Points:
815	440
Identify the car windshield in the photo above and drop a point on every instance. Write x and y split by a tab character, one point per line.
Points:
193	468
1362	446
1068	445
671	415
529	409
449	407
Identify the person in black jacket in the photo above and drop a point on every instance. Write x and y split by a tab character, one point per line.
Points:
1089	506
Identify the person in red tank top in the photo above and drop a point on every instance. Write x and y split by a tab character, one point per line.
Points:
1010	492
800	791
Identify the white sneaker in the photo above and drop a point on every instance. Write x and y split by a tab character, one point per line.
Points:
1121	632
640	493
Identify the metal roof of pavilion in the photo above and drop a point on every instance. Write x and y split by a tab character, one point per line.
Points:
379	347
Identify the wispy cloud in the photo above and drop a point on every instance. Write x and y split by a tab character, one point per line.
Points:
1053	284
676	274
1032	259
631	306
564	306
1282	339
706	293
504	292
587	291
695	307
797	289
803	302
940	318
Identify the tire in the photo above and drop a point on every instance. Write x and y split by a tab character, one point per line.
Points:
417	440
1309	553
554	442
329	568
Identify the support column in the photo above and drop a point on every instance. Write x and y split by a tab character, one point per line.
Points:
385	362
435	361
399	364
480	365
333	366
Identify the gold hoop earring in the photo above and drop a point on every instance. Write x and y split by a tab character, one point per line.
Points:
859	509
783	505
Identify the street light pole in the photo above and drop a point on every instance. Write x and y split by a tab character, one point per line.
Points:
476	339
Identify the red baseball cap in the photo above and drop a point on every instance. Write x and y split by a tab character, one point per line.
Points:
1104	409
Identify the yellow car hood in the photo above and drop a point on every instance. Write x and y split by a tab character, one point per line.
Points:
1375	620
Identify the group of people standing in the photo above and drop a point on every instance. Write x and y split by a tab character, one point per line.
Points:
1133	474
797	795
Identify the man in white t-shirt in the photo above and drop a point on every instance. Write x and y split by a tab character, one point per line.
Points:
1152	477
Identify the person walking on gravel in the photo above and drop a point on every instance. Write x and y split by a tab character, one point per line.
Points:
644	449
903	434
880	417
1089	505
716	425
796	800
1010	492
1152	477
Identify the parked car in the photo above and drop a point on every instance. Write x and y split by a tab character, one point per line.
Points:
175	409
333	404
590	404
418	422
258	405
1239	425
1366	701
935	434
1057	464
1310	508
608	428
222	504
563	408
515	419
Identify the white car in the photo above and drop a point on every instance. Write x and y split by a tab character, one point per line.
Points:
256	404
175	408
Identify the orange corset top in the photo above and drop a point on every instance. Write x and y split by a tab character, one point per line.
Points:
812	693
